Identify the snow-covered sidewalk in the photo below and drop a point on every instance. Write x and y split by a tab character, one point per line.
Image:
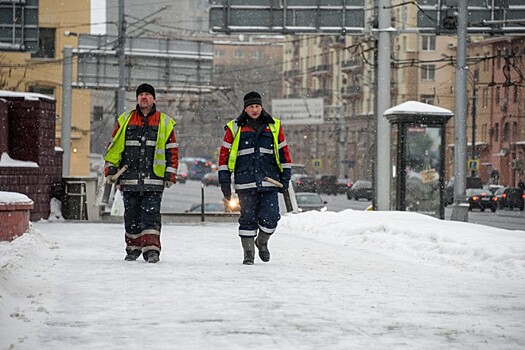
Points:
348	280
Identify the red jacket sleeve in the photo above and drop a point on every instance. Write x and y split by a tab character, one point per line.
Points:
172	158
224	154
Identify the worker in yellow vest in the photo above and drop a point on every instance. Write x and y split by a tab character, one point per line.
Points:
144	140
254	149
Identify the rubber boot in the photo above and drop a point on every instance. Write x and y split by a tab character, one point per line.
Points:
249	250
262	244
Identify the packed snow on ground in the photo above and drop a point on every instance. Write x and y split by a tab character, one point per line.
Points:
345	280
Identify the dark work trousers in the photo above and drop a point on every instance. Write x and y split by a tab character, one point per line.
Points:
142	221
259	210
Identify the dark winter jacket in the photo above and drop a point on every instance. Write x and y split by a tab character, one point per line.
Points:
255	158
141	136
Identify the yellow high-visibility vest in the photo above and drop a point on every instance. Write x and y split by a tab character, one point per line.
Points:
115	149
234	128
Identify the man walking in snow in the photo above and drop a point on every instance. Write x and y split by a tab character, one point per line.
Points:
254	149
143	140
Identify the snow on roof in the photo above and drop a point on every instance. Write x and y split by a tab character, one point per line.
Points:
6	161
414	107
30	96
14	198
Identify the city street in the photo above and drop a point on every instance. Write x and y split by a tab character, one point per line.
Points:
181	196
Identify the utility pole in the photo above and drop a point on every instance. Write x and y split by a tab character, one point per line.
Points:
474	111
460	208
341	141
121	46
382	161
65	137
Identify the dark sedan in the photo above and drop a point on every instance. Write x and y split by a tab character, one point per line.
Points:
361	189
510	197
303	183
481	199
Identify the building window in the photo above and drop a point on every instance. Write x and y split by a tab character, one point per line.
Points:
496	132
257	55
506	132
428	72
429	99
220	68
98	113
44	90
515	131
238	54
515	94
46	43
485	97
486	64
428	43
219	53
498	97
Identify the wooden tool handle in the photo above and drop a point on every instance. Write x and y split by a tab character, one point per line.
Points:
275	182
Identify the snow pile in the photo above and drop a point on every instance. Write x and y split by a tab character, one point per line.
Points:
22	265
6	161
10	198
461	245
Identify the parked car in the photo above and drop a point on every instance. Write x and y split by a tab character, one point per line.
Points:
492	188
326	184
472	182
182	173
481	199
360	189
210	179
231	206
510	197
343	185
310	201
303	183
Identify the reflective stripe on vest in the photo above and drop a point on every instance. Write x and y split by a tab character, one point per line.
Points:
234	151
115	149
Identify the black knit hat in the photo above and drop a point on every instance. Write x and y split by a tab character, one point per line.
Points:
252	98
145	88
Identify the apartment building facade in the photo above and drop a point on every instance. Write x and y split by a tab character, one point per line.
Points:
41	71
423	67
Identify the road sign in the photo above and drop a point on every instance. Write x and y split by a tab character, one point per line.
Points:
166	64
298	111
288	17
441	16
473	164
317	163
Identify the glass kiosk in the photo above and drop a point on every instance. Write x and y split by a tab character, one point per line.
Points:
418	157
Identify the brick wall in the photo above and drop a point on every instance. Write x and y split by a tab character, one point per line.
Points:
31	137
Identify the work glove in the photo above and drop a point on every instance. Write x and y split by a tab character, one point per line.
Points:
226	191
286	184
168	184
110	171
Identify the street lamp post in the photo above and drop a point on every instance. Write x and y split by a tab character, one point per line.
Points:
474	110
